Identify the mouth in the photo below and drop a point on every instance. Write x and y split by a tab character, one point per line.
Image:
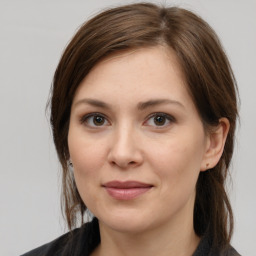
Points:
126	190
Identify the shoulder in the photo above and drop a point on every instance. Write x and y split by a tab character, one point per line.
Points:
230	252
54	247
80	241
206	247
40	251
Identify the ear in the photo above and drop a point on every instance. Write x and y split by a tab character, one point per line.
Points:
216	139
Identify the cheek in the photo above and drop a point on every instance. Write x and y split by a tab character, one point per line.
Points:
87	156
88	159
177	167
177	161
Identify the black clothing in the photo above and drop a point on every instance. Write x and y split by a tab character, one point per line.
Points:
82	241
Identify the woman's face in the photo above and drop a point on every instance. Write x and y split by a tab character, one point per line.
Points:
136	141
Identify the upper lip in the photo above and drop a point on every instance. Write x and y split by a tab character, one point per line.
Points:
126	184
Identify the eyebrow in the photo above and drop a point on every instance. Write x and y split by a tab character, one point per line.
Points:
140	105
155	102
93	102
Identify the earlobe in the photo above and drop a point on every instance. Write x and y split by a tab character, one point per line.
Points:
70	163
215	144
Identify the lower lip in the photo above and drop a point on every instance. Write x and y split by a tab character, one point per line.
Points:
126	193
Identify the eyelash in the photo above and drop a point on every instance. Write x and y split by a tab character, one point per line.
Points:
85	118
167	118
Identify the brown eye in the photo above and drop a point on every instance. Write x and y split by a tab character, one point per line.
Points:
98	120
94	120
159	120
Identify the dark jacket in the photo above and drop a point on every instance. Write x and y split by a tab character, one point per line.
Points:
82	241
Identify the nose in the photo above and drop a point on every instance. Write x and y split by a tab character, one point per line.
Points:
125	151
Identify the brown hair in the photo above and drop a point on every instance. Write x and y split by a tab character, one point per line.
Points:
209	79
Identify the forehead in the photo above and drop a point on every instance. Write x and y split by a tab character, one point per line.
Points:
134	74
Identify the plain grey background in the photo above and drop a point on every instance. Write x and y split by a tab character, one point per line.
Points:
33	35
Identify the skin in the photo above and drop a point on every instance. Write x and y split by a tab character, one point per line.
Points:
125	142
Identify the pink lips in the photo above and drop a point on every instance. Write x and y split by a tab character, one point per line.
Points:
126	190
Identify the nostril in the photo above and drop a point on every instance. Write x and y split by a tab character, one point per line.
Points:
124	164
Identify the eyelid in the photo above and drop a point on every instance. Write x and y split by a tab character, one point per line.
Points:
84	119
169	117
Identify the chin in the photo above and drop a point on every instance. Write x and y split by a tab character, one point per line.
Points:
130	227
132	223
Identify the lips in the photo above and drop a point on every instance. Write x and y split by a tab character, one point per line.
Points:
127	190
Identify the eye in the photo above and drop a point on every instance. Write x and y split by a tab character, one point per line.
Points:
94	120
159	120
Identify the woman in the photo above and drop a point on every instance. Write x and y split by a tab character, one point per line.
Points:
143	112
